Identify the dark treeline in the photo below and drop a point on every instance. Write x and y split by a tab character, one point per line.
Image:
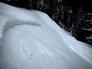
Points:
73	15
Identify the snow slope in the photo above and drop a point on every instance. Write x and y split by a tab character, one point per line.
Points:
32	40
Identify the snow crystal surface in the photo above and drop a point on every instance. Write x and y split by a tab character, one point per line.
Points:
32	40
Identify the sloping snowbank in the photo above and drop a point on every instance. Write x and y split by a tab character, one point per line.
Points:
32	40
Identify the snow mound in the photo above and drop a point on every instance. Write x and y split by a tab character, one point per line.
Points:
32	40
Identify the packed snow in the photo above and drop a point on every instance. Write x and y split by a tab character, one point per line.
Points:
30	39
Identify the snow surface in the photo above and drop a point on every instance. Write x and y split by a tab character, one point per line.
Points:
32	40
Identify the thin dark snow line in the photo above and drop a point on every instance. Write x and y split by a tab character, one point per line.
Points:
11	23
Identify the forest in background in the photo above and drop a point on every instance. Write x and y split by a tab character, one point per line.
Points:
74	16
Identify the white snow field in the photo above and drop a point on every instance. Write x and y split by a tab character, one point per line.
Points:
32	40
